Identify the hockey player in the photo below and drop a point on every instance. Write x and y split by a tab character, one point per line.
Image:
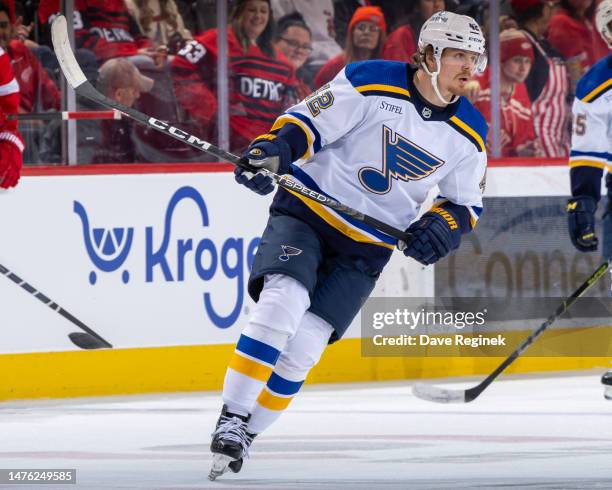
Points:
592	153
378	137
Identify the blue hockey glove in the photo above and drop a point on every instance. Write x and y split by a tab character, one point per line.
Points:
434	236
581	222
274	156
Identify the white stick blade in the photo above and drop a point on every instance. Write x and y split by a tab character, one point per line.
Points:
63	51
438	395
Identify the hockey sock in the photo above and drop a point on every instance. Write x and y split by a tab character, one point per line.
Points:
301	353
274	320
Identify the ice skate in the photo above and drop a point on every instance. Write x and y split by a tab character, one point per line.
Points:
606	380
230	443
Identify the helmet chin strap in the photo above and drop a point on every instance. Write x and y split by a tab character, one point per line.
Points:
434	81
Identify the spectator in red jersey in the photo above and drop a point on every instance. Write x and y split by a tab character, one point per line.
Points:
294	39
572	33
261	78
38	91
11	143
364	41
402	42
547	82
517	131
106	28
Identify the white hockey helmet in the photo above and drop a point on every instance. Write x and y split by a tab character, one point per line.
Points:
448	30
603	18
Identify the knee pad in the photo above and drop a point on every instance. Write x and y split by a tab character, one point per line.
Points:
304	350
279	311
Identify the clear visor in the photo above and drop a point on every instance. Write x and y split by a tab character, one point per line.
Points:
476	61
481	63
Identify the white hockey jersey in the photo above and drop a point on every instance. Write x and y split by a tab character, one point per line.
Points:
376	146
592	113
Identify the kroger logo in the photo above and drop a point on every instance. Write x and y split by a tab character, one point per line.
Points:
109	248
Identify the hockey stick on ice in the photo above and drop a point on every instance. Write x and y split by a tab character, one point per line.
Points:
88	339
76	78
447	395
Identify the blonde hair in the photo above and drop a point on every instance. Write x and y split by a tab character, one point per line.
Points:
146	16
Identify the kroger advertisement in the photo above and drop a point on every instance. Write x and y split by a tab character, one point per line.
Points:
142	259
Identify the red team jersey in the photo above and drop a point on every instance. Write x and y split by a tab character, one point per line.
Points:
517	130
400	45
261	87
104	26
35	85
575	39
10	158
9	89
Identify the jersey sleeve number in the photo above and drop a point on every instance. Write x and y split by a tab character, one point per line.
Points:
320	100
580	124
193	52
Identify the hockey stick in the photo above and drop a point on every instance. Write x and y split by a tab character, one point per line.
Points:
88	339
76	78
447	395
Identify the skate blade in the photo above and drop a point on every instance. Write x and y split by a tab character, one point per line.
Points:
220	465
608	393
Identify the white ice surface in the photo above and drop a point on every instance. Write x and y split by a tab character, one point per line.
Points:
529	433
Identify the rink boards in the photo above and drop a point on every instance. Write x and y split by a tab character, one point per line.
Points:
156	260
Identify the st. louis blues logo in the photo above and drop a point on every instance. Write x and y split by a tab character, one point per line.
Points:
107	248
402	159
288	251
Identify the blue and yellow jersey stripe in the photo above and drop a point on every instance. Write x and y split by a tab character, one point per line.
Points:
357	231
598	91
311	134
595	159
596	82
379	77
385	90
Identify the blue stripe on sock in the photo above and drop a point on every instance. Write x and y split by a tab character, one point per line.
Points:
257	350
283	386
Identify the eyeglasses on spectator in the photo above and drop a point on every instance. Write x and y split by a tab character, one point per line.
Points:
296	45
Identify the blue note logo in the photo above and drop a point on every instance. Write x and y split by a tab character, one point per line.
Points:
402	160
288	252
107	247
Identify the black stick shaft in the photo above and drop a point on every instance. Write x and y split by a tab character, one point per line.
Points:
472	393
51	304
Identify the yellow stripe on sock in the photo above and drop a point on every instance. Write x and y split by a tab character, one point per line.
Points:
250	368
273	402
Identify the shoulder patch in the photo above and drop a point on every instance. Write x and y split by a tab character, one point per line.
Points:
379	77
470	123
595	82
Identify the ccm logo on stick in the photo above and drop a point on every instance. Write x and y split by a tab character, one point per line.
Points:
189	138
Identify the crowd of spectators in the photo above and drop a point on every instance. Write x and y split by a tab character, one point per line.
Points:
161	56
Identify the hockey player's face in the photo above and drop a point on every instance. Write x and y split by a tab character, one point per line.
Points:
255	18
457	69
517	68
